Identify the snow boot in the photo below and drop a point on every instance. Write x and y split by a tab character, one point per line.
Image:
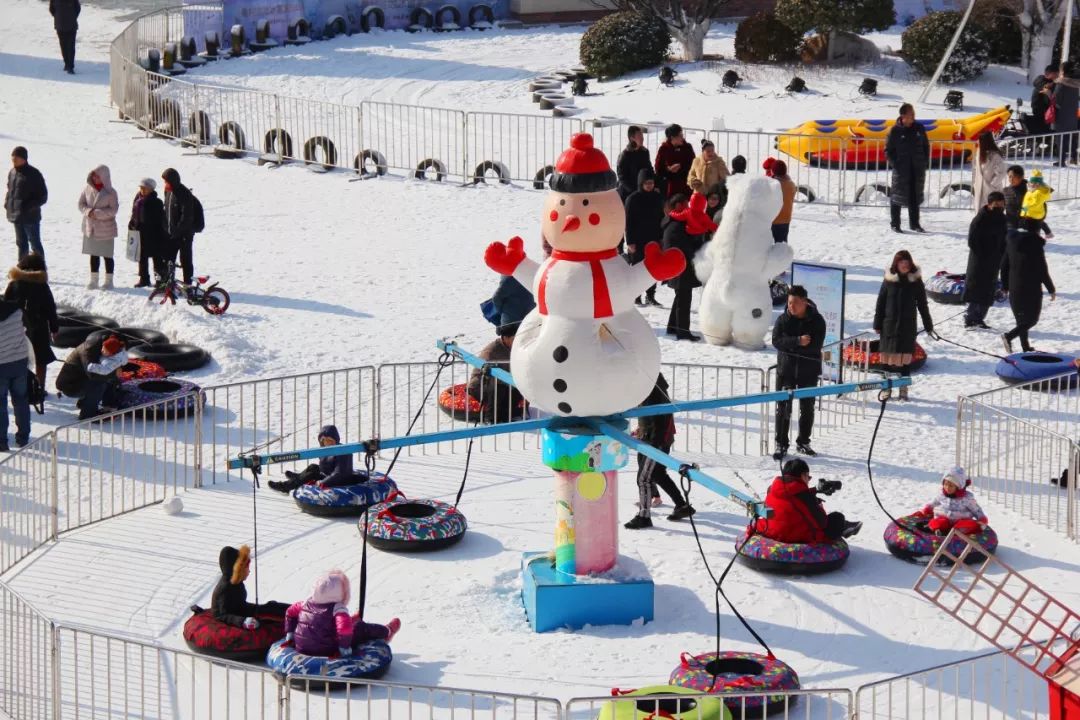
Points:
393	626
93	284
681	512
1007	343
108	284
896	229
903	392
651	300
780	452
639	302
805	449
850	529
638	522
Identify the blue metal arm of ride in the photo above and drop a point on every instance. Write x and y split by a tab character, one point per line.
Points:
643	448
452	348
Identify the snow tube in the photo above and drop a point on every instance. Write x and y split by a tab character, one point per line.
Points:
768	555
502	173
74	329
645	706
131	336
173	398
372	17
1026	367
854	355
733	672
370	660
344	500
430	164
208	636
360	163
402	525
946	289
174	357
456	402
140	370
916	546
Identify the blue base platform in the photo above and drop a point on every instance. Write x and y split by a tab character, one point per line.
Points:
555	600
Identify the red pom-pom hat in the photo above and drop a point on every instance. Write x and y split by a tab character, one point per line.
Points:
582	168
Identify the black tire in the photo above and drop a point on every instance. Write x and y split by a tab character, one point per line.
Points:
297	29
360	163
164	117
956	187
368	15
865	190
74	329
549	101
481	13
420	19
540	180
329	150
565	111
68	311
262	32
132	336
430	164
541	86
806	192
231	141
199	125
270	143
216	301
174	357
502	173
455	18
335	25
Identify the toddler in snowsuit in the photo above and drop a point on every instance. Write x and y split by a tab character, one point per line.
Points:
229	602
1033	208
955	506
336	471
322	625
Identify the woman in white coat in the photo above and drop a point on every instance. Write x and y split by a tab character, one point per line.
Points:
99	204
991	173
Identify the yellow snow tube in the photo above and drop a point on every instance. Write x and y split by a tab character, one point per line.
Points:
639	705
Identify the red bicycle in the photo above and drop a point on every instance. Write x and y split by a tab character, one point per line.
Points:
213	299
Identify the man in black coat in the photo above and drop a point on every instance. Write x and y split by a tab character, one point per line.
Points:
1024	273
676	236
179	223
644	219
26	193
1014	193
632	160
798	335
1067	99
1042	89
986	245
908	151
66	21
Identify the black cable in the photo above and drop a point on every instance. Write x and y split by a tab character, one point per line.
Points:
255	526
445	361
465	476
363	564
884	397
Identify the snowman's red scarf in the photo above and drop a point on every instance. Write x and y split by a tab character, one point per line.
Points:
601	296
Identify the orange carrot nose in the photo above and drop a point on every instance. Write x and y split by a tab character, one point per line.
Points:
572	223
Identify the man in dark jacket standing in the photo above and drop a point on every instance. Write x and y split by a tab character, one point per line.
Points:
66	21
1014	193
644	219
632	160
1066	97
986	245
179	222
1024	273
908	151
798	335
673	161
26	193
1042	89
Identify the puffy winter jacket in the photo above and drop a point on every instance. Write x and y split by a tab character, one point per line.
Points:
99	207
796	365
1035	200
960	506
706	173
789	188
798	516
319	628
13	343
26	193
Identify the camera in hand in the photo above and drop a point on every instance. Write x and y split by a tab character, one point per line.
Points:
828	487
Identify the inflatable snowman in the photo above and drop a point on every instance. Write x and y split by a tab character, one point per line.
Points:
584	350
737	264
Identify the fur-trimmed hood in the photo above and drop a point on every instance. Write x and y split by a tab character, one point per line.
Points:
912	276
28	276
232	562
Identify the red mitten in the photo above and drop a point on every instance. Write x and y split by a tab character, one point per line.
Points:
925	512
663	264
504	259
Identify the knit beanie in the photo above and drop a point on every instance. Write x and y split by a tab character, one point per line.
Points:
582	168
112	345
957	476
1036	178
148	183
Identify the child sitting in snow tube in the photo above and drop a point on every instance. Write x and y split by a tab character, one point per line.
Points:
322	639
336	471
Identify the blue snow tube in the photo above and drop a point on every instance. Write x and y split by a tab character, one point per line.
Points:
1026	367
347	499
369	661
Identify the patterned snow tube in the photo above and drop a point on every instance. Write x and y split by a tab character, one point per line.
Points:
640	705
854	355
456	402
768	555
345	500
916	546
402	525
368	661
1026	367
172	397
946	289
140	370
732	673
207	636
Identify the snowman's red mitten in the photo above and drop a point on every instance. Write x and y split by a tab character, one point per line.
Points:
663	264
504	259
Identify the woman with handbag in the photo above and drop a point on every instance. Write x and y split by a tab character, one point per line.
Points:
99	204
146	232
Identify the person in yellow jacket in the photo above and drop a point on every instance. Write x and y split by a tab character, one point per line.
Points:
1033	209
707	169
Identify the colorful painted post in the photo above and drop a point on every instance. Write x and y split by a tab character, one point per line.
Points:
586	469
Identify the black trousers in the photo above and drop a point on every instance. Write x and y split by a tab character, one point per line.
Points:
144	267
185	250
834	527
679	318
1021	331
650	475
95	264
67	47
783	416
912	212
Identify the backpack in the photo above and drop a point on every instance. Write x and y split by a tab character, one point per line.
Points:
199	222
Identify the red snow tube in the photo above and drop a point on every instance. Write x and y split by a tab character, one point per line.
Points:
205	635
456	402
855	355
141	370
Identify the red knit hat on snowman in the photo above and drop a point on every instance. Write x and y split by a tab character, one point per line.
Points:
582	168
956	477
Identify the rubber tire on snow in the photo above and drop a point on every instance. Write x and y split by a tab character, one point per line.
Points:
549	101
321	141
502	173
486	11
230	130
541	86
880	188
540	180
955	187
430	164
360	163
415	17
199	124
806	192
74	329
174	357
455	18
132	336
367	14
335	25
270	143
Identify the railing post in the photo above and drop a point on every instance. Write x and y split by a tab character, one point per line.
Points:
200	408
198	121
54	652
54	486
465	148
279	141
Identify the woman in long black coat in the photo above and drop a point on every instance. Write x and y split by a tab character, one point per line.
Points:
676	236
986	246
1024	273
29	289
908	151
148	217
644	216
902	294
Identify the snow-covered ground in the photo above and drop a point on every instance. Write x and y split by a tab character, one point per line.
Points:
325	273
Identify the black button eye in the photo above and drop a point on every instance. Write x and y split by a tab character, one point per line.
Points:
584	203
562	202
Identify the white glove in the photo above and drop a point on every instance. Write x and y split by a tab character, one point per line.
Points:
251	624
288	637
345	651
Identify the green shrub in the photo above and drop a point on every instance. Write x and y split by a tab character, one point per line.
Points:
1074	43
825	16
623	42
1000	20
762	38
924	44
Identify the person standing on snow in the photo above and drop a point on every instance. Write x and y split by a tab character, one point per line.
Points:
908	151
1024	273
66	21
686	228
26	193
29	289
798	336
990	172
707	169
673	161
632	160
781	225
1014	193
99	204
644	224
148	218
179	223
14	358
901	296
1041	97
986	246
